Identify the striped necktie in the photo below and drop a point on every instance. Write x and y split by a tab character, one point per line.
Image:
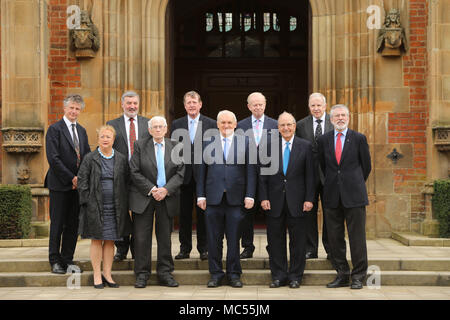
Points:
76	144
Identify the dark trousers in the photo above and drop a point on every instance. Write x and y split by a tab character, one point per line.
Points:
312	230
187	198
355	218
247	235
124	245
276	239
64	211
223	220
143	230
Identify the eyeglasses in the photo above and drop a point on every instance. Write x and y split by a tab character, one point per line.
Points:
158	127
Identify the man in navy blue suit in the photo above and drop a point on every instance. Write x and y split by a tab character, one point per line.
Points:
226	185
66	144
258	125
287	197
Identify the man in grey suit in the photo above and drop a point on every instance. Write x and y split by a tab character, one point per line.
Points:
129	127
311	128
155	191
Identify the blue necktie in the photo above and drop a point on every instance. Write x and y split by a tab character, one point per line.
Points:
192	131
225	148
257	131
161	178
287	153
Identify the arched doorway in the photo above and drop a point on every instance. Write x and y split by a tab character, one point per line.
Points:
227	49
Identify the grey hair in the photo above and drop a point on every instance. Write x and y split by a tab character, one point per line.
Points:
226	111
157	118
285	113
129	94
339	106
251	95
318	95
75	98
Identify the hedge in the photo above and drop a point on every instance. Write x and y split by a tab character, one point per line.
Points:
441	206
15	211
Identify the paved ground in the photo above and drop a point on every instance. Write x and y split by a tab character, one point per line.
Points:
379	248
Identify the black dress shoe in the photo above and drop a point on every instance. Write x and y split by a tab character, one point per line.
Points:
356	284
73	268
119	257
109	284
99	286
338	282
235	283
246	254
294	284
204	256
168	282
58	268
182	255
141	281
277	284
310	255
214	283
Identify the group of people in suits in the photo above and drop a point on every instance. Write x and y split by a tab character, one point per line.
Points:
137	177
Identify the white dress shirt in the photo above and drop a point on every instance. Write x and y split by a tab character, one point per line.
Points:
156	157
322	124
69	126
261	126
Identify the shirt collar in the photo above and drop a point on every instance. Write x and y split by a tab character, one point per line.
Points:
321	118
344	133
262	119
162	142
230	138
290	141
127	118
196	118
68	123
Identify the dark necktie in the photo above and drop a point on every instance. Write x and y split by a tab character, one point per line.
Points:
318	132
132	135
76	144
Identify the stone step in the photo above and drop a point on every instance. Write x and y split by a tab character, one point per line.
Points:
415	239
384	264
201	277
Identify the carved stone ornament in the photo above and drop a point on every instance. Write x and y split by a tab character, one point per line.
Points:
85	40
22	142
442	138
392	38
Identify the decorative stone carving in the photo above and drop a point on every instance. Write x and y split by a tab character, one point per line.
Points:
442	138
23	142
85	40
395	156
392	38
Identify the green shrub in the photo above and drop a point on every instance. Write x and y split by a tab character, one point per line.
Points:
15	211
441	206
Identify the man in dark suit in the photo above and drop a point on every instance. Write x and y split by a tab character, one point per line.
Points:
66	144
287	197
155	191
311	128
130	127
345	160
226	183
257	127
192	126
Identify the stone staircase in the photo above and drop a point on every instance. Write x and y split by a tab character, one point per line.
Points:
394	272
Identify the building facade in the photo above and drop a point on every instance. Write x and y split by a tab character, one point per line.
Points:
393	75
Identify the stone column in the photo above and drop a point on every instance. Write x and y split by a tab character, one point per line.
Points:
24	96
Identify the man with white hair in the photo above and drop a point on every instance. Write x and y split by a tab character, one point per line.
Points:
345	160
130	127
226	184
311	128
155	192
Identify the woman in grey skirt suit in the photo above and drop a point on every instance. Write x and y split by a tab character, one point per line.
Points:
104	217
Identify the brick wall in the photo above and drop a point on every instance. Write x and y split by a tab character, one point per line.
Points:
64	69
410	128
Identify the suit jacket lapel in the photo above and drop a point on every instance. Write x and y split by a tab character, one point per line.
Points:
123	130
143	127
151	154
66	133
328	124
331	147
347	144
167	153
295	151
309	127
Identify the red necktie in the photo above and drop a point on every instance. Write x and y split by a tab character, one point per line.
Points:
132	135
338	148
